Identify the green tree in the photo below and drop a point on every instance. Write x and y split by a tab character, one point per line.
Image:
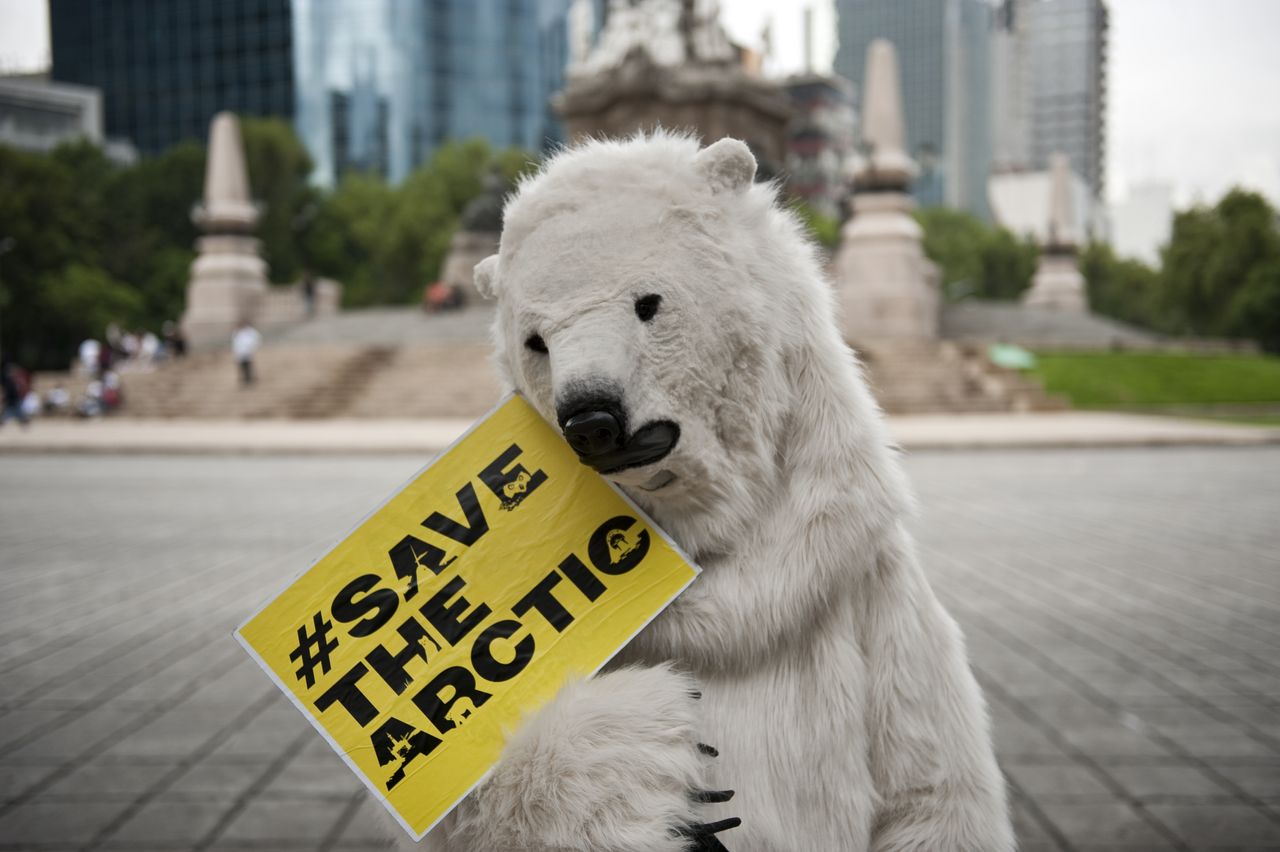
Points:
1124	289
279	165
1217	269
974	258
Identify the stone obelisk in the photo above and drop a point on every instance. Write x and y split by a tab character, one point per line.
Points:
1058	284
229	277
885	287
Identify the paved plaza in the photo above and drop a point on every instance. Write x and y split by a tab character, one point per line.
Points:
1122	608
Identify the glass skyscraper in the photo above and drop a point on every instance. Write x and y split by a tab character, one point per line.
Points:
370	85
166	66
944	57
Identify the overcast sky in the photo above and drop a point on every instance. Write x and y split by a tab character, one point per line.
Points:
1194	94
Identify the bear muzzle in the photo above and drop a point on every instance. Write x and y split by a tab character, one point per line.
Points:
599	439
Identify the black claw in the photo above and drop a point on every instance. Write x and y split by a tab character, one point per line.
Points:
712	797
709	751
721	825
702	835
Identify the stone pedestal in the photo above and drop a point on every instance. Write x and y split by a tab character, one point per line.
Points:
886	289
1058	285
227	286
466	250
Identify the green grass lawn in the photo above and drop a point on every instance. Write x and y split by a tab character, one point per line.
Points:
1171	381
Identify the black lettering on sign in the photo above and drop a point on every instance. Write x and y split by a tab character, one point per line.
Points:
390	666
483	660
347	693
614	549
447	617
580	575
413	553
541	598
450	698
511	484
347	607
476	523
399	744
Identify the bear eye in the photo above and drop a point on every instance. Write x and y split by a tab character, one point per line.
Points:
647	306
536	343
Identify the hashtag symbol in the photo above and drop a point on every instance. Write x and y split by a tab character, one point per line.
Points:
323	645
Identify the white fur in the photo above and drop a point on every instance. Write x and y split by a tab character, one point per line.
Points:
835	686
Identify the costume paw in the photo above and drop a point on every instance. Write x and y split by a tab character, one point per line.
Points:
612	763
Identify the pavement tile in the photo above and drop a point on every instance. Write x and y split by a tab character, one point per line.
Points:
168	821
213	779
1059	781
1102	823
1261	780
1153	781
283	821
1218	825
50	823
311	777
105	779
16	778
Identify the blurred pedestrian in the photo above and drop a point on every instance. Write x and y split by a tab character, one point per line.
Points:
244	345
149	349
88	355
57	400
174	341
14	386
112	392
309	292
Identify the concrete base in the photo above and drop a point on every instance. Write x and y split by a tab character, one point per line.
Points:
228	284
1058	285
466	250
886	289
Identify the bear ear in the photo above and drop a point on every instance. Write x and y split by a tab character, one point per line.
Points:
485	276
727	164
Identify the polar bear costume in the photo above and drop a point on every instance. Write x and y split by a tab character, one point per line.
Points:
651	291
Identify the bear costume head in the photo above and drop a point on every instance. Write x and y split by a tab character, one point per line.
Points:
672	318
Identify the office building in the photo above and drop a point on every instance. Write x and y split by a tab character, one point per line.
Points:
370	85
165	67
944	49
1051	70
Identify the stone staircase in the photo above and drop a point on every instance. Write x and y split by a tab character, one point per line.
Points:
417	380
911	377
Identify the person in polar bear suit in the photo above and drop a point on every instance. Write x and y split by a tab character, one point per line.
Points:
661	307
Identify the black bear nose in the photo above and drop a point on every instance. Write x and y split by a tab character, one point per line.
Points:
591	433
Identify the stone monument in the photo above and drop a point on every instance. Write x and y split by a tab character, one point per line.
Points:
1058	284
477	236
885	286
669	63
229	277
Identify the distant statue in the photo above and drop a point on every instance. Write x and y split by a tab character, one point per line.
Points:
483	213
477	237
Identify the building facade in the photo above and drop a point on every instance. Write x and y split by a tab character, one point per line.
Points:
1052	64
820	140
36	115
165	67
370	85
944	48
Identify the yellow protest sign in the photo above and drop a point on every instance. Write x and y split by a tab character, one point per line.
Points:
461	604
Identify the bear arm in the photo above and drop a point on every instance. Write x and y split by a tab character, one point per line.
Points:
609	763
938	785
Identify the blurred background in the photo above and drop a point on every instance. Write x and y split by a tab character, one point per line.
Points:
236	242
